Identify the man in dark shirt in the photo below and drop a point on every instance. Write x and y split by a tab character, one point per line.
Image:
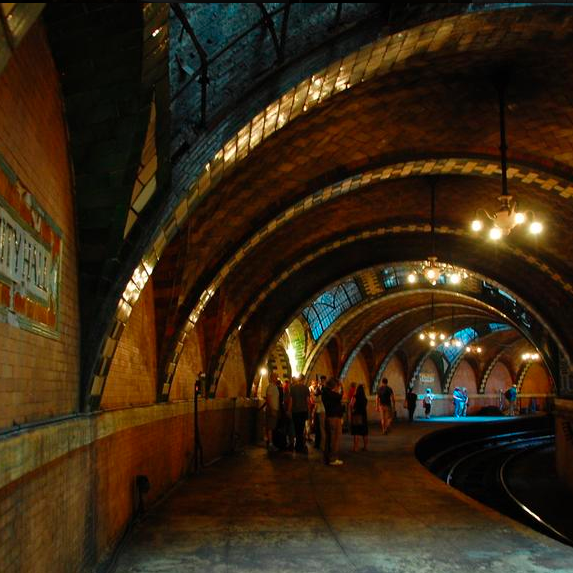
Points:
385	404
332	401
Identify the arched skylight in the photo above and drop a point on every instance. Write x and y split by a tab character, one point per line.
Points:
330	305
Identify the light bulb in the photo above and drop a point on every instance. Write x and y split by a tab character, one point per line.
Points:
458	343
468	349
455	279
495	233
432	335
442	336
478	349
477	225
447	343
263	371
535	356
431	274
411	278
535	228
422	336
525	356
519	218
432	343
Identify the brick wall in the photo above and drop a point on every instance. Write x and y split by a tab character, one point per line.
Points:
499	379
358	372
233	381
39	376
190	364
133	374
322	366
67	490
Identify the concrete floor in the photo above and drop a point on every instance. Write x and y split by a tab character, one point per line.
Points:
379	512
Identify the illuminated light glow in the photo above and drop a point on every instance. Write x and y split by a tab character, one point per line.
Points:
442	336
432	343
155	32
432	335
455	279
263	371
478	349
431	274
535	228
468	349
495	233
411	278
519	218
422	336
458	343
291	353
535	356
477	225
239	327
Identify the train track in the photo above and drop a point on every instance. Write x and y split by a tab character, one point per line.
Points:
482	469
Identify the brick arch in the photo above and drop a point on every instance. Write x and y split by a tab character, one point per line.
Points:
427	355
401	342
472	363
347	317
224	161
327	250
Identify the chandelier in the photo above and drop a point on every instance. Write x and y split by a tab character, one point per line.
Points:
433	336
453	341
431	269
473	349
530	357
502	221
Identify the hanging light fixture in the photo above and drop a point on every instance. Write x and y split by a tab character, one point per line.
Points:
530	357
431	269
506	217
453	341
433	336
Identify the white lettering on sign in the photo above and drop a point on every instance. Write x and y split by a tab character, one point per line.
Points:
427	378
23	259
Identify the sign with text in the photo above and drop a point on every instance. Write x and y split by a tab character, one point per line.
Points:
427	378
30	259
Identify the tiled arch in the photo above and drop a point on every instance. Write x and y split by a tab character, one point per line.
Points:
371	61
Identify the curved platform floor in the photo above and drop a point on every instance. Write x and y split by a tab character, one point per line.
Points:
382	511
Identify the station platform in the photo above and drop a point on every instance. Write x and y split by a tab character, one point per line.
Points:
381	511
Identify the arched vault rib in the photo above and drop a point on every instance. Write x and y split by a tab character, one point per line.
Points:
251	308
369	62
400	343
340	324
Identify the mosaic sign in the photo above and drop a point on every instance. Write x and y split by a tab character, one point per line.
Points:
427	378
30	259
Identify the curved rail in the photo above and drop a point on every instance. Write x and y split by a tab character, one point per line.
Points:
540	521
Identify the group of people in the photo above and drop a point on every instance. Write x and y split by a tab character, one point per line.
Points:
296	412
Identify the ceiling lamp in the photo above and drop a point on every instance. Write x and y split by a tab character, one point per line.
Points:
453	342
506	217
530	357
433	336
473	349
431	269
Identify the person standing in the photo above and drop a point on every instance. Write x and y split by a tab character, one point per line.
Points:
411	401
385	404
300	400
458	400
359	418
427	401
332	400
511	396
465	403
272	399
